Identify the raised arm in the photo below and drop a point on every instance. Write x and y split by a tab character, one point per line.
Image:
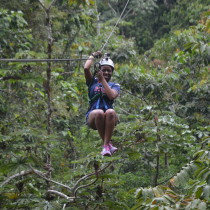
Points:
88	64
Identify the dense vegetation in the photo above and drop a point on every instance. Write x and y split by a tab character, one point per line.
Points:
49	158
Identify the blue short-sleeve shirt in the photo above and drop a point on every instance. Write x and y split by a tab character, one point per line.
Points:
96	90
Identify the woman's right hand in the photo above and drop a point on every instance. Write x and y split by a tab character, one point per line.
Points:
100	75
97	54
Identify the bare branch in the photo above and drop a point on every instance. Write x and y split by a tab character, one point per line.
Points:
47	9
83	186
22	173
62	195
15	77
110	6
42	175
89	175
53	2
83	178
127	13
42	5
39	173
33	171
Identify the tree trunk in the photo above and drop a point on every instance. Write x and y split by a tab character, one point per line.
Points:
157	170
158	152
166	160
48	85
48	88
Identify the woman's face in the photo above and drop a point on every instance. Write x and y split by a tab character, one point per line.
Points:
107	72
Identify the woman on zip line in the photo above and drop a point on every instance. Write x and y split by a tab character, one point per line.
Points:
101	116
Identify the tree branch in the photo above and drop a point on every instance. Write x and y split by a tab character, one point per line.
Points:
40	174
127	14
53	2
15	77
22	173
89	175
110	6
45	8
62	195
83	186
42	5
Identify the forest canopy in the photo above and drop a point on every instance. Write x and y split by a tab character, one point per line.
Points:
49	157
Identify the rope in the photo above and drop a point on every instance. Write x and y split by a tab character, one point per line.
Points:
115	26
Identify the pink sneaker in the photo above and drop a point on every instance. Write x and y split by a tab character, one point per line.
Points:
106	151
112	148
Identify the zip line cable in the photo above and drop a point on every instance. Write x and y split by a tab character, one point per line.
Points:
60	60
41	60
115	25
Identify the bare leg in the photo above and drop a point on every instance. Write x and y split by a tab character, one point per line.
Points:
96	120
104	123
110	122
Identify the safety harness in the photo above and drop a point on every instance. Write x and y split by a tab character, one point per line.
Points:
99	97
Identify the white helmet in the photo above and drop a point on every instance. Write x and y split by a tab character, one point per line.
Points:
107	61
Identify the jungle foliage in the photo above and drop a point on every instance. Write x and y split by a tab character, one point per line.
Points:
49	158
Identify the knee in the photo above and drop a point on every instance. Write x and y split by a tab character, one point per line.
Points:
99	114
110	114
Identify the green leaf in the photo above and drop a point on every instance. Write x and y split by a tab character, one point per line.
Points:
198	192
